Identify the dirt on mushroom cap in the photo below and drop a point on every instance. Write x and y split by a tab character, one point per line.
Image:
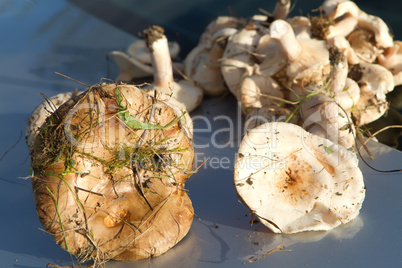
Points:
294	181
88	159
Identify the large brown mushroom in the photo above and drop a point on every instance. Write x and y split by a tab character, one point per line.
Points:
109	168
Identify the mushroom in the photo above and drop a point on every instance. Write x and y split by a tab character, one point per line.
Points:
184	91
301	26
342	28
375	82
281	10
221	26
349	96
392	60
237	60
259	91
268	53
336	9
295	181
203	63
361	42
203	67
136	63
308	58
343	45
324	117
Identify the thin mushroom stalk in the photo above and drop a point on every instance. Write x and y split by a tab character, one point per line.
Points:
157	44
184	91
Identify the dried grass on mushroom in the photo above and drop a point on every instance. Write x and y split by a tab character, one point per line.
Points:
109	168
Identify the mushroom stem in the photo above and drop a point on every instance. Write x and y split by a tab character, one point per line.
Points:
281	10
283	32
161	62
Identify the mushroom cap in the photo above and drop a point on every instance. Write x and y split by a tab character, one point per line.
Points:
348	97
312	65
237	59
295	181
324	111
377	79
301	26
210	33
268	52
392	60
257	91
202	65
361	42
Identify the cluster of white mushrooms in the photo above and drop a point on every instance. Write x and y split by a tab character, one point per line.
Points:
321	76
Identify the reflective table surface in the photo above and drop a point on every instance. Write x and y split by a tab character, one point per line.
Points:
39	38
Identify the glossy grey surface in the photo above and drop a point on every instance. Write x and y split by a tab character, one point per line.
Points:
43	37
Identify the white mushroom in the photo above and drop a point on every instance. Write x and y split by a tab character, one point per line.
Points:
202	65
349	96
237	61
222	25
184	91
376	78
268	53
361	42
301	26
308	58
334	122
392	60
375	82
259	91
294	181
336	9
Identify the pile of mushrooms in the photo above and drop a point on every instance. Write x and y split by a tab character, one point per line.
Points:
338	67
329	74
